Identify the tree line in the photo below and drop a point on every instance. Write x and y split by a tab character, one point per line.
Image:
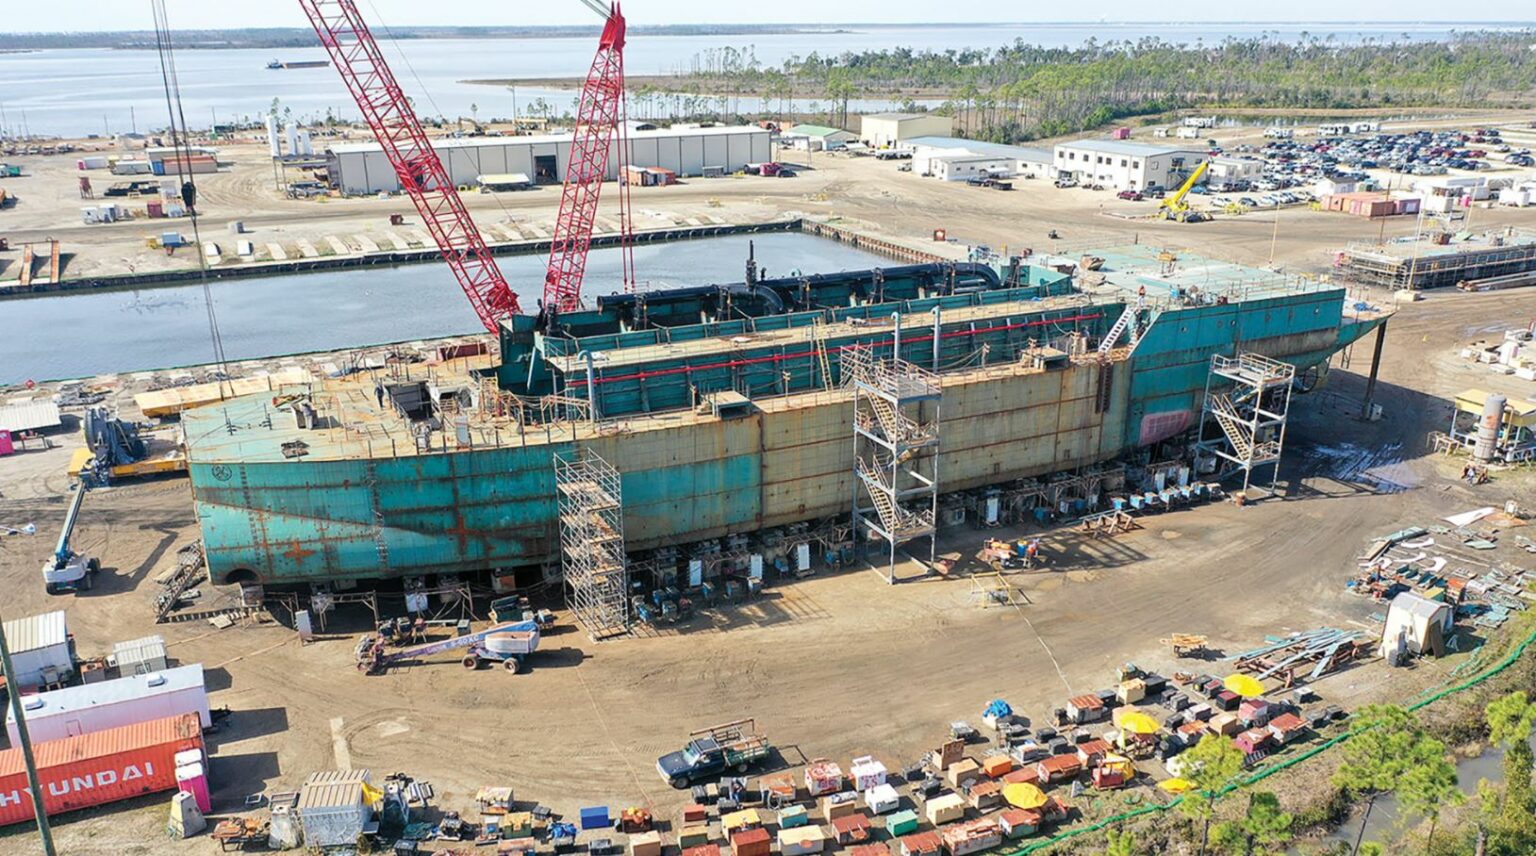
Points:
1023	91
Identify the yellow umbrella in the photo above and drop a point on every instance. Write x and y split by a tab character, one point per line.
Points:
1137	722
1176	786
1023	795
1246	686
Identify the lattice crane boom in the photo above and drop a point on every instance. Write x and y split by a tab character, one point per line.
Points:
388	112
600	121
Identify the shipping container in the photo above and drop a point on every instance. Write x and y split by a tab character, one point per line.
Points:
40	647
100	768
332	808
109	704
140	656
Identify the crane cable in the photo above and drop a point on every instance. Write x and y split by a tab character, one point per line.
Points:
183	155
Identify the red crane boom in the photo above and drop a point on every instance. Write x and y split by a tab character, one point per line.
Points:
599	121
356	55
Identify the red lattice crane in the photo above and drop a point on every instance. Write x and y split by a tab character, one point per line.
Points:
356	55
600	121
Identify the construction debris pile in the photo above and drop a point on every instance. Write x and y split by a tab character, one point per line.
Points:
1437	563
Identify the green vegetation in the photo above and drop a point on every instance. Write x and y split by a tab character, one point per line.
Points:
1023	91
1509	814
1120	844
1263	829
1210	766
1387	746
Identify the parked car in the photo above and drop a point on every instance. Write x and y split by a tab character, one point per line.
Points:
1066	182
1132	195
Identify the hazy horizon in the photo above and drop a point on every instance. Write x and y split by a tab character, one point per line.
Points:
69	16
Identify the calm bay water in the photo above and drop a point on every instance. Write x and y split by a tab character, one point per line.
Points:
78	92
75	335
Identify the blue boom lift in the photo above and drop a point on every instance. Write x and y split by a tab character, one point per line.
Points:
66	570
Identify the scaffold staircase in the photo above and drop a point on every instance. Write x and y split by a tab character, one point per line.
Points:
896	437
592	553
1248	397
819	336
1127	320
1232	423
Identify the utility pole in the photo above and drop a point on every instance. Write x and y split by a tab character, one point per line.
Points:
13	691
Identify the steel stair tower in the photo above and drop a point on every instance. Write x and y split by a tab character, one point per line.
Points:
896	452
1248	397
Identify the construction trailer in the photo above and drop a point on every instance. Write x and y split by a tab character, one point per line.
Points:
88	708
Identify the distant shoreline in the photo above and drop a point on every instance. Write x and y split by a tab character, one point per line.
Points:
294	38
289	38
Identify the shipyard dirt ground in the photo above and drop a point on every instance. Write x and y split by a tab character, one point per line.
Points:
870	195
833	666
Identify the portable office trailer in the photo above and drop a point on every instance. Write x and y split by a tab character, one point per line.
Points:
140	656
96	707
333	810
40	649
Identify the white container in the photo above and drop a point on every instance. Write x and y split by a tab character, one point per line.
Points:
801	840
39	644
140	656
331	808
866	773
881	799
128	700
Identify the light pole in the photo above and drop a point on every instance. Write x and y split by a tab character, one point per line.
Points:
13	691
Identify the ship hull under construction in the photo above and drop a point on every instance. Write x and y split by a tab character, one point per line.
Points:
345	492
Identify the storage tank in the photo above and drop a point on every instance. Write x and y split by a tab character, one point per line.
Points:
1486	448
293	138
96	769
274	143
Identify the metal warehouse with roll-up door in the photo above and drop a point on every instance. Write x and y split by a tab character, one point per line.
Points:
362	168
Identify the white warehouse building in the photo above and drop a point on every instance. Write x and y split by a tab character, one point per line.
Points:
885	130
956	159
362	168
1122	165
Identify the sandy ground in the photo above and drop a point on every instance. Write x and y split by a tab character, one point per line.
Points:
870	194
835	666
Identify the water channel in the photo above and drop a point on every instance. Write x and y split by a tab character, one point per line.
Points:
88	333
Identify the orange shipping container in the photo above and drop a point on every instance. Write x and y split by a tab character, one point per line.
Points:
99	768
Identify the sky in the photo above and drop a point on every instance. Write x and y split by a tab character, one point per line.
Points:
57	15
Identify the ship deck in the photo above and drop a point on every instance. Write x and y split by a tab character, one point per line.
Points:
352	426
574	364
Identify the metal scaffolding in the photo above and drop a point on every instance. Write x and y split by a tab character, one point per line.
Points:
896	451
592	543
1248	397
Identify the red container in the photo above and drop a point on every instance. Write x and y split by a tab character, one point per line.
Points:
751	842
99	768
6	446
